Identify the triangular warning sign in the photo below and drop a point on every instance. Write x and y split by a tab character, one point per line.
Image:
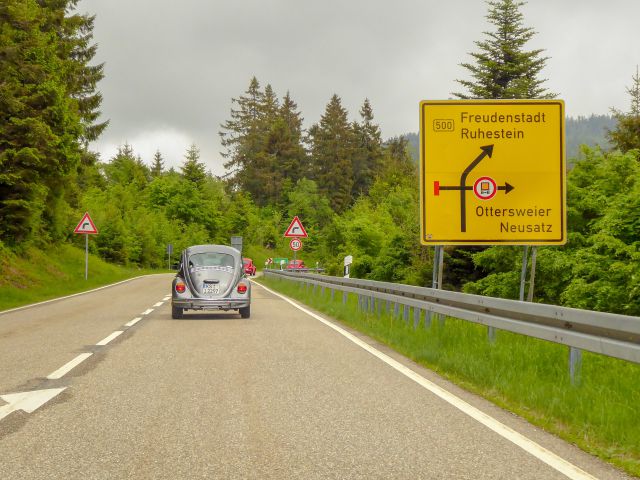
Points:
296	229
86	225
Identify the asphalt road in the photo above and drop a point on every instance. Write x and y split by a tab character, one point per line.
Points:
279	395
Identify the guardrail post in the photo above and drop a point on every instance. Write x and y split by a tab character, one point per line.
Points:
427	319
372	304
396	310
344	298
379	308
387	306
405	313
333	294
491	333
416	317
575	365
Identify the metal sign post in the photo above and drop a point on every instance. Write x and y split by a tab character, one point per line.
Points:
169	252
86	256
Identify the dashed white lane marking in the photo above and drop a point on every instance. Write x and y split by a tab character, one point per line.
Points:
560	464
166	298
106	340
147	311
133	322
159	304
62	371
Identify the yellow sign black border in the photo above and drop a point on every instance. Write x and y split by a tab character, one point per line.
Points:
500	241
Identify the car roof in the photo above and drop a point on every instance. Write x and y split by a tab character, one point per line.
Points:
212	248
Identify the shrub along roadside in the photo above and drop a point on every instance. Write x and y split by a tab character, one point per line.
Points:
37	275
524	375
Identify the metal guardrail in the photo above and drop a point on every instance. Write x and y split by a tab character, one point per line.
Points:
604	333
296	270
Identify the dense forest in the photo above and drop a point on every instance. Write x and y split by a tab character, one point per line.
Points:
356	193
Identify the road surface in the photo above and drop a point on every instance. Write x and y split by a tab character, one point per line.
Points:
280	395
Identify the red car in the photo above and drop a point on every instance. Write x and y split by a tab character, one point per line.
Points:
296	265
248	266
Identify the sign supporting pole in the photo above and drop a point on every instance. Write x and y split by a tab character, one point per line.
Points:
532	276
523	272
436	264
86	256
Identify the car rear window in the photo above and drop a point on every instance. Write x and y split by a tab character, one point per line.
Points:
211	259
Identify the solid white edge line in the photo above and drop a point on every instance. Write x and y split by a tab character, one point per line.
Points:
558	463
2	312
159	304
106	340
168	297
133	322
147	311
67	367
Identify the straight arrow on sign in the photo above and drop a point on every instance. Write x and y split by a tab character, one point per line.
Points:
27	401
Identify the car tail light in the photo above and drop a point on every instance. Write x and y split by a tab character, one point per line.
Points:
242	288
180	287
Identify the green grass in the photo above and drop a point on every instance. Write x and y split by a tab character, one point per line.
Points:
530	377
38	275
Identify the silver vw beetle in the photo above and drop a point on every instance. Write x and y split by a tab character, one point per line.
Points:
211	277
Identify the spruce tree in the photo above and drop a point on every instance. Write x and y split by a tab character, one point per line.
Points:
293	161
48	108
502	68
242	136
626	135
332	141
284	157
367	157
192	169
158	164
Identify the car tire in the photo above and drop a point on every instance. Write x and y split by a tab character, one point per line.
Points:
245	312
176	312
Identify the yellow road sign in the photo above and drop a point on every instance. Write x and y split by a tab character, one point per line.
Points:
492	172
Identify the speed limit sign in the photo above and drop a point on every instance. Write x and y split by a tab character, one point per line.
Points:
295	244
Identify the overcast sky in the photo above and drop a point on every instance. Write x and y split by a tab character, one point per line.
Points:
172	67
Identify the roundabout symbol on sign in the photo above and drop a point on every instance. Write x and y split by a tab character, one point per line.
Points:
295	244
485	188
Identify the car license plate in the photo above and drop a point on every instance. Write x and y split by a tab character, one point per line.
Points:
211	288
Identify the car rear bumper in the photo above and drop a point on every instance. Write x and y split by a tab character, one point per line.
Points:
206	304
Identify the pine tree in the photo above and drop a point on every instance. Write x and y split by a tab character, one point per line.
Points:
626	135
283	158
76	32
48	108
126	168
293	161
192	169
332	141
264	146
367	156
158	164
503	69
243	136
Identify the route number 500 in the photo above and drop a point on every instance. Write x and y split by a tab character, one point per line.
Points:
443	125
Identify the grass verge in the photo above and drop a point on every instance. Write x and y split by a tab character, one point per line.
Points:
600	414
39	275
